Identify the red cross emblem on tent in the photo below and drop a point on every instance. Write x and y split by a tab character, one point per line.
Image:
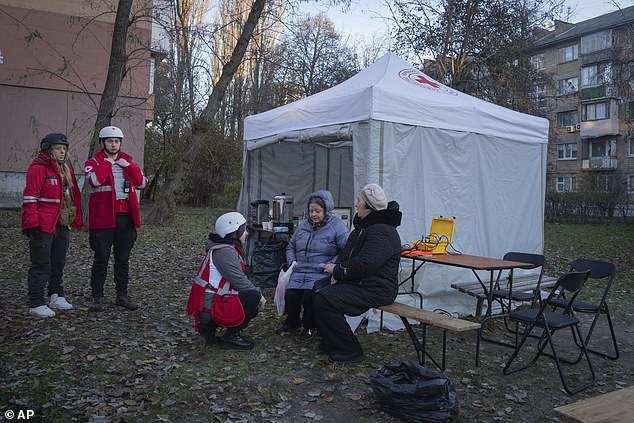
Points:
423	80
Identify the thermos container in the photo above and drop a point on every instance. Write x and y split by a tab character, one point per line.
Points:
283	210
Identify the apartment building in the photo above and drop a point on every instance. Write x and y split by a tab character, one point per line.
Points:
54	58
586	92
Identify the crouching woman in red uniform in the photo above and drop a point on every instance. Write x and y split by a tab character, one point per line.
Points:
51	204
222	272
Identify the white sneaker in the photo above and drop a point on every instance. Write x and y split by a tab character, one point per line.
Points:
59	303
42	311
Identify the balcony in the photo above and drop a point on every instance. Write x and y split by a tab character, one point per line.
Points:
605	55
593	92
599	128
599	163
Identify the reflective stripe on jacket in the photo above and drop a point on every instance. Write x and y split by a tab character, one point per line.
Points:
98	173
43	195
208	279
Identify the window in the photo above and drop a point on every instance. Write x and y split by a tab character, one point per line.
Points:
568	54
595	111
539	95
566	184
567	151
597	41
152	69
630	183
631	109
605	148
601	183
537	61
595	75
567	118
568	86
630	146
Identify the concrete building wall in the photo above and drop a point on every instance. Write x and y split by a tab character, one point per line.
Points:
616	131
55	61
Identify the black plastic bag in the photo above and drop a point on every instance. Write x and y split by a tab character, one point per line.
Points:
414	393
267	260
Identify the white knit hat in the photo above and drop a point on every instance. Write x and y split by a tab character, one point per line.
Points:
374	197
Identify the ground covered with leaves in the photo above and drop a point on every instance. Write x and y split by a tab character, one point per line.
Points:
150	366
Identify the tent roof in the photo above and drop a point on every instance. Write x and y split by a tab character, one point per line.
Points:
393	90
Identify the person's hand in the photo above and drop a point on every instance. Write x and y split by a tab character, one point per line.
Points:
123	163
110	159
328	267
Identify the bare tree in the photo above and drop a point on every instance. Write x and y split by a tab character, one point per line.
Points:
315	57
164	206
476	46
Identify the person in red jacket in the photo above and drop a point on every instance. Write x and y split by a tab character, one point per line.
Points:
51	203
113	215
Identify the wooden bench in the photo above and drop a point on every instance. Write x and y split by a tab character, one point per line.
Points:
524	283
428	318
613	407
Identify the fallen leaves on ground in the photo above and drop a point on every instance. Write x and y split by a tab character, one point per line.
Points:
150	365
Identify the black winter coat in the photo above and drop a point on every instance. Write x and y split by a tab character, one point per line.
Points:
367	267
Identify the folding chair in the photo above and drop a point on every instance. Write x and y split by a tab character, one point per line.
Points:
551	322
599	270
535	260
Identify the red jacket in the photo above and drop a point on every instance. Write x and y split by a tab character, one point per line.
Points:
98	173
44	193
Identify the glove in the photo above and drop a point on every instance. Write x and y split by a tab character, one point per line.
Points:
262	302
123	163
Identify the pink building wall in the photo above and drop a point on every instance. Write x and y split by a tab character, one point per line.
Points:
54	71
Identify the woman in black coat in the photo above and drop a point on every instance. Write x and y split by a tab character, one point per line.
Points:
365	275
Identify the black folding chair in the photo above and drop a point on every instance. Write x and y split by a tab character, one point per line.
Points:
604	272
551	322
507	294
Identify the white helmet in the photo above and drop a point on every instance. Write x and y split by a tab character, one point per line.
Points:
110	132
229	222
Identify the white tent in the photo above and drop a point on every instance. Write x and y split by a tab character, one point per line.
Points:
436	151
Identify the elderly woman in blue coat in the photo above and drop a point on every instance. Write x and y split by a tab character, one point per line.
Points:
316	241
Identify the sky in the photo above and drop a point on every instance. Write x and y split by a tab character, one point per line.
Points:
365	17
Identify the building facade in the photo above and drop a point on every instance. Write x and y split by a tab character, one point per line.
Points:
586	92
54	58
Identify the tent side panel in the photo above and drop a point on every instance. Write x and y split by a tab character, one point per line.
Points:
492	186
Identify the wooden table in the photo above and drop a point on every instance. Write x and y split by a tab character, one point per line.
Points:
475	263
613	407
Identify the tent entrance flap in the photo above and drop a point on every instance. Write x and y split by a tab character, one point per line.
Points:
298	169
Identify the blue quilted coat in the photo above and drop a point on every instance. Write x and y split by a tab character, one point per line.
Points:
311	246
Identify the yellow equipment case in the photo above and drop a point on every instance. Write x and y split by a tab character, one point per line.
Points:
440	236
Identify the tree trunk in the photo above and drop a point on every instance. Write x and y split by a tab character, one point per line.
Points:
163	208
116	67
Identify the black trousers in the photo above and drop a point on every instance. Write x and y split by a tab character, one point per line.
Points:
336	335
120	241
48	258
295	299
250	300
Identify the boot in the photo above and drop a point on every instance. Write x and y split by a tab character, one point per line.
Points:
125	302
97	304
307	334
208	331
233	341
